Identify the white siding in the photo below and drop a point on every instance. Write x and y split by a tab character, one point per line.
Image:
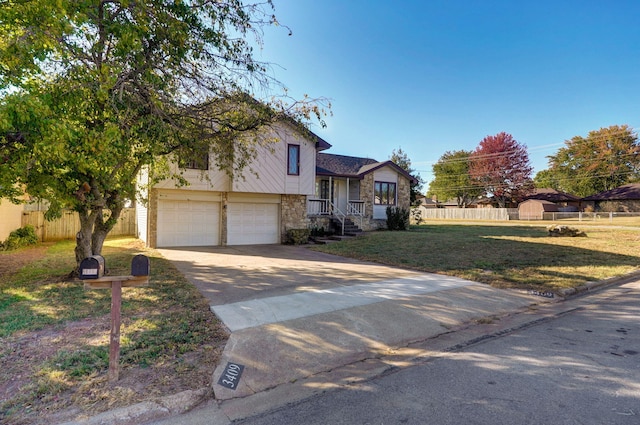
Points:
214	180
142	225
269	172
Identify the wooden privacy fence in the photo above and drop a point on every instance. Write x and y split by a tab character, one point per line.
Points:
68	225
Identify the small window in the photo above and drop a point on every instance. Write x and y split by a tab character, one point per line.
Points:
384	193
196	163
324	189
293	160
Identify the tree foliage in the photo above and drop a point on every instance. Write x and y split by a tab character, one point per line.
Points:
452	179
92	91
605	159
401	159
546	179
500	165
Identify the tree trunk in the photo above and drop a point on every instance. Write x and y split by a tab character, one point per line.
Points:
103	227
83	237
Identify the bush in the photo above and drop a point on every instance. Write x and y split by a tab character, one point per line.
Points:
397	218
21	237
318	231
298	236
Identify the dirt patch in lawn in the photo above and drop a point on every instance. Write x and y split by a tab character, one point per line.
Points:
22	358
12	261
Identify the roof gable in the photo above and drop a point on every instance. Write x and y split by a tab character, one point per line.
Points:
328	164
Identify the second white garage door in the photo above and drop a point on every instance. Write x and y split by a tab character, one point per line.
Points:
252	223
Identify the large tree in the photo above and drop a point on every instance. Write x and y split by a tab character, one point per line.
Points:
605	159
401	159
93	91
452	180
500	165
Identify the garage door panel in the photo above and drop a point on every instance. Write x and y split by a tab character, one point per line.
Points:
188	223
252	223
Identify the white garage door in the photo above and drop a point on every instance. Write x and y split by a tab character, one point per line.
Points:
188	223
251	223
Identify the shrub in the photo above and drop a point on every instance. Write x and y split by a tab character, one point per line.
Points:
298	236
21	237
318	231
397	218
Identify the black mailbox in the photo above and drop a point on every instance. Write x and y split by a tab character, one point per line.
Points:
92	267
140	265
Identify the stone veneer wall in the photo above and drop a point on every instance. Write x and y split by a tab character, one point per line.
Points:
293	213
366	194
366	190
152	219
404	193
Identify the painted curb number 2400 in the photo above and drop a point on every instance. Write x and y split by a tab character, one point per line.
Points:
231	375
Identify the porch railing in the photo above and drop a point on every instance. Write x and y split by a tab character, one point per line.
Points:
356	209
326	207
319	207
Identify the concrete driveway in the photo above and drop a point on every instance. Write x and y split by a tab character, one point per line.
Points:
237	273
296	314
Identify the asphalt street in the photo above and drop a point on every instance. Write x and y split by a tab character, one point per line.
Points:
579	366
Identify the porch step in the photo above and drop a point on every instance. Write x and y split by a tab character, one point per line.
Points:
330	239
350	228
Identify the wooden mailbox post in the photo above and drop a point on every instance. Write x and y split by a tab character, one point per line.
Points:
139	277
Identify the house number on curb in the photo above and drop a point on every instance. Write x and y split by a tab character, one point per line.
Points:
541	294
231	375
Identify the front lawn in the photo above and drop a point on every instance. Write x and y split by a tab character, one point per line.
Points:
502	256
54	336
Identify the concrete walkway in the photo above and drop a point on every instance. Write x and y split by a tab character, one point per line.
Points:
252	313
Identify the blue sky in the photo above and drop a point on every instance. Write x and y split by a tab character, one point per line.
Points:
436	75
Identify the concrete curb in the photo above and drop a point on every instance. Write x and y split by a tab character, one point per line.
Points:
147	411
596	285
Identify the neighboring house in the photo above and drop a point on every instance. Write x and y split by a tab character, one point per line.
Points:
10	218
534	209
428	202
282	191
621	199
565	201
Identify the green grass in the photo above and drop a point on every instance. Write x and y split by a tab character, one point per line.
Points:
160	324
503	256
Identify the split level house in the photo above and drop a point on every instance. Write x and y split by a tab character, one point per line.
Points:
294	185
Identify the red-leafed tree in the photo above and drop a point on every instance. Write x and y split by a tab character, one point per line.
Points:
500	165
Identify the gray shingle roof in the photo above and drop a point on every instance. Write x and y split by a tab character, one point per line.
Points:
341	165
552	195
